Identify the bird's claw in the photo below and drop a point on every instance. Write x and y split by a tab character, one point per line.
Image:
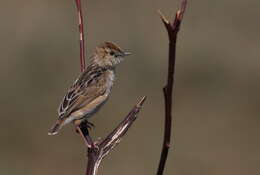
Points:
89	125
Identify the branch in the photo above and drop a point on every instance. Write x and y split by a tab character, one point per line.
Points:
82	131
100	149
172	30
81	36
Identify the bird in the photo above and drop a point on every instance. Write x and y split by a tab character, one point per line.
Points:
92	88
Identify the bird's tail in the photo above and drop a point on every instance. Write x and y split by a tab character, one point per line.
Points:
55	128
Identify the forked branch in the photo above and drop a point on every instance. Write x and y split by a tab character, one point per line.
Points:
101	148
172	30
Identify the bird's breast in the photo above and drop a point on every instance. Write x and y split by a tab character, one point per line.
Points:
110	77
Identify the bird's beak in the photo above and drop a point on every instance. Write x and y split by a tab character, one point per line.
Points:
126	53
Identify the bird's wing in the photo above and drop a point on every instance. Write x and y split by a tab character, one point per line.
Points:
88	87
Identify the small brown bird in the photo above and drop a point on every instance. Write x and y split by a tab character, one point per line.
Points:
91	90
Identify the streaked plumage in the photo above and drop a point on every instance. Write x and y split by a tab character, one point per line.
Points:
91	90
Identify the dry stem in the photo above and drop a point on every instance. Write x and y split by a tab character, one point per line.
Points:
172	30
81	35
101	148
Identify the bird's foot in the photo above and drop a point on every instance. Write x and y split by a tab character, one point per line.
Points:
84	126
87	124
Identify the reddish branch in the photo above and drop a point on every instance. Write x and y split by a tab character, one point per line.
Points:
81	36
172	30
101	148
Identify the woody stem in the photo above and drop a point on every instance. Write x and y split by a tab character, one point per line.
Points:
81	35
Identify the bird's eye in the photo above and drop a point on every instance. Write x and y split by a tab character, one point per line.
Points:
112	53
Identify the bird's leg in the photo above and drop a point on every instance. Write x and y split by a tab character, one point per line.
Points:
85	138
87	124
83	131
84	126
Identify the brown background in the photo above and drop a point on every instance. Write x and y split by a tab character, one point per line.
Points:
216	96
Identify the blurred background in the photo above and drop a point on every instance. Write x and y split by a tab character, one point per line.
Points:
216	102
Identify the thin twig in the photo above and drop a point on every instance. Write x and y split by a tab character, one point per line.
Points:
87	139
101	148
172	30
83	132
81	36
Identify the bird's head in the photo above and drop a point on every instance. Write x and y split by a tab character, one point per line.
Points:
109	54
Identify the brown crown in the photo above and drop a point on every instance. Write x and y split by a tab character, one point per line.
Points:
110	45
